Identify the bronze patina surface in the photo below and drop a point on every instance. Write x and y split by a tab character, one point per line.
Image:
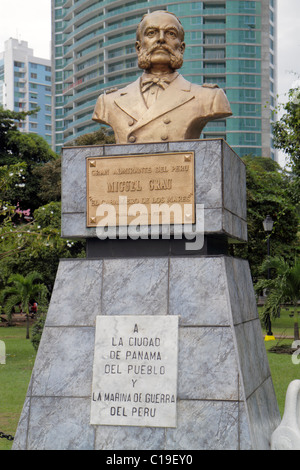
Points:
161	105
140	188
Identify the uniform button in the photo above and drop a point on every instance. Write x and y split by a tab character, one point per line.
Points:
132	139
131	122
167	120
164	137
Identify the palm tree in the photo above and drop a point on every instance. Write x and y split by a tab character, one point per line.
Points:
285	287
22	290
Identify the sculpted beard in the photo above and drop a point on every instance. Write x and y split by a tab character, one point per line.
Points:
144	57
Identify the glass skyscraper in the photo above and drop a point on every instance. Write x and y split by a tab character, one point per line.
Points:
229	42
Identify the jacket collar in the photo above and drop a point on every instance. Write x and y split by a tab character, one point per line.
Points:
131	101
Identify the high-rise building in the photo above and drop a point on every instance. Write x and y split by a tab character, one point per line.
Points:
229	42
25	84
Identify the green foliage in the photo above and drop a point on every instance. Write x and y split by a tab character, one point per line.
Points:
48	216
268	192
37	330
15	377
101	137
287	137
30	149
36	245
283	287
10	176
23	290
49	177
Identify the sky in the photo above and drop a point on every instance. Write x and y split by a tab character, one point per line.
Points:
30	20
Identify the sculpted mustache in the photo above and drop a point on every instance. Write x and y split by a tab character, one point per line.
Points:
155	48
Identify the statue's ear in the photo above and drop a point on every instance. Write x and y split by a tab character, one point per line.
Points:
182	47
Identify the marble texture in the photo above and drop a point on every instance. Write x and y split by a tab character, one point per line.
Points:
141	286
220	185
226	397
214	360
58	423
205	425
116	370
201	288
86	277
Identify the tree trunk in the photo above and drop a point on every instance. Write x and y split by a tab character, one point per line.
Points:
296	331
296	325
27	325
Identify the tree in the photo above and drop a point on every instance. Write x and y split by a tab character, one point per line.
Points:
49	176
101	137
35	245
31	149
287	137
268	192
23	290
283	288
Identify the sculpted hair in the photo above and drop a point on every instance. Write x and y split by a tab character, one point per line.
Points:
181	30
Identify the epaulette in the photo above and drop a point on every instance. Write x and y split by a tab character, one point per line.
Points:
111	90
210	85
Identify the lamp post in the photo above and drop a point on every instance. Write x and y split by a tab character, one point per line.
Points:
268	227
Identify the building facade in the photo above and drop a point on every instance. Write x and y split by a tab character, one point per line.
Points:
229	42
25	84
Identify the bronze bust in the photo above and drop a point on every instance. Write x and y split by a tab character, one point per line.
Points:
160	105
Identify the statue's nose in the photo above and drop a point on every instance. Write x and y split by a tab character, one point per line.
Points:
161	38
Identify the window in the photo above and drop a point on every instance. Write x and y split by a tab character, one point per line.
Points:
196	20
214	39
247	5
250	138
250	94
18	64
214	53
33	75
250	79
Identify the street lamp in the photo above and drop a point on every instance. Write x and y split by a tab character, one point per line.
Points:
268	224
268	227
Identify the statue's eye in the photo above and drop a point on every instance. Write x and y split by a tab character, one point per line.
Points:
171	34
151	33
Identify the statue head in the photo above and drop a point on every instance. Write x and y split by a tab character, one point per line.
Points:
160	42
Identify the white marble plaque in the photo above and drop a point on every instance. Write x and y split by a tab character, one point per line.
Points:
135	371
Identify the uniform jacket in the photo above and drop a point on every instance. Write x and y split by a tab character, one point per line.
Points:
180	112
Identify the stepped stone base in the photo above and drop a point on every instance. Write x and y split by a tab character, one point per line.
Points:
225	393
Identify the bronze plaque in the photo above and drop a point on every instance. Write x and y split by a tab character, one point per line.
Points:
142	189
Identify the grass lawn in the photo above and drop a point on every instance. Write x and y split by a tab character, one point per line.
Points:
283	370
14	379
20	356
284	325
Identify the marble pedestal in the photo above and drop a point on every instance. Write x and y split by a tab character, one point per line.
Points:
226	398
225	395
